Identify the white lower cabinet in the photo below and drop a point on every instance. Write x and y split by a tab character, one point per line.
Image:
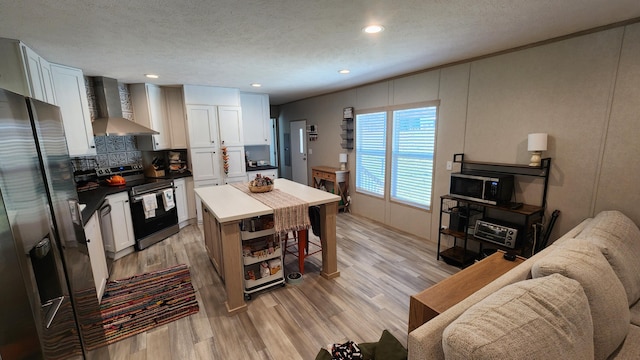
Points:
122	225
185	201
96	254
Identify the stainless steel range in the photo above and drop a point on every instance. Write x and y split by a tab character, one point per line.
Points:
147	230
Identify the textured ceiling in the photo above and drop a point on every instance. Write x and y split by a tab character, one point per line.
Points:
293	47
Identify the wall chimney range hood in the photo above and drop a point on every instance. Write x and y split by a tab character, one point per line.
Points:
110	120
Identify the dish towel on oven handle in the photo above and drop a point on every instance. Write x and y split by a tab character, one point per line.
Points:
168	200
149	205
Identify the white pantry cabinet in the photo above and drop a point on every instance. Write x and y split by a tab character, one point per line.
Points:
71	95
236	162
203	126
210	95
205	163
96	254
230	126
256	122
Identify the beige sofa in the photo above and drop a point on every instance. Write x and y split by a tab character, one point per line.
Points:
576	299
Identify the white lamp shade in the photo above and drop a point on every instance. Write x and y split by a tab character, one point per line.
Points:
537	142
343	158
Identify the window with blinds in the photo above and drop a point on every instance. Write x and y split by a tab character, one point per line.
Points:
371	152
413	143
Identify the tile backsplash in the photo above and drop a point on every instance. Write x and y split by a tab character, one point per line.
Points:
111	150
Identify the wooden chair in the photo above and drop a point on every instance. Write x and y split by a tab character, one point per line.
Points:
300	240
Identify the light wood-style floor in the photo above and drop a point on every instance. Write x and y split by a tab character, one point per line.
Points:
380	268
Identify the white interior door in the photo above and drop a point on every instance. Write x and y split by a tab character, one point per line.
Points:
299	169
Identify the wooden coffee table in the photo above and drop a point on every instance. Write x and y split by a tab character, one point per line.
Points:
429	303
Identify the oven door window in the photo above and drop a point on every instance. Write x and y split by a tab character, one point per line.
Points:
143	227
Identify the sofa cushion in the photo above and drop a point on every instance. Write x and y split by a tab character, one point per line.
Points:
544	318
635	313
619	240
630	348
582	261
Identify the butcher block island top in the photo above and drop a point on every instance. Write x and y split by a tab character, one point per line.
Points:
225	206
228	203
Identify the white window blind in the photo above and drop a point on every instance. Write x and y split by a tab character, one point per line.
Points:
413	143
371	144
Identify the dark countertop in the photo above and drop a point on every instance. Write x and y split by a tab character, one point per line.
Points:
94	198
260	168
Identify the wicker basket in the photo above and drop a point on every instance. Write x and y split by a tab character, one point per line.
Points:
260	189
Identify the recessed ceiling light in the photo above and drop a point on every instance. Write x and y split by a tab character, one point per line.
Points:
256	85
151	76
372	29
344	71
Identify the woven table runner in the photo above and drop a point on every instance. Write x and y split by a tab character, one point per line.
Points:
289	212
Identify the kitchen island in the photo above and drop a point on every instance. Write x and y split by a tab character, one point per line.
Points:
225	207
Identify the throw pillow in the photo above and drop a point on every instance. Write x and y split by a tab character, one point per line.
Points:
582	261
618	238
323	354
389	348
545	318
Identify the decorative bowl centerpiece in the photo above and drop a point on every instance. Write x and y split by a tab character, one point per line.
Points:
261	184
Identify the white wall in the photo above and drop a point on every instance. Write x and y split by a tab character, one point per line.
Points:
583	91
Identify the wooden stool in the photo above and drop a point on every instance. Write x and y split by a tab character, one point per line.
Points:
302	241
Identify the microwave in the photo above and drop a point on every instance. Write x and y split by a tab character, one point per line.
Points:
484	187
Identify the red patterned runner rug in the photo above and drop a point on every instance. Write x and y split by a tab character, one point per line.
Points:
289	212
139	303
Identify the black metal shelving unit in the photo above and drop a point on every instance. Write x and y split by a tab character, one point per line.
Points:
467	211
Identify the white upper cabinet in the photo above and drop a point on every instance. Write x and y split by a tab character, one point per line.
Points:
25	72
256	118
149	110
230	126
71	95
203	126
211	95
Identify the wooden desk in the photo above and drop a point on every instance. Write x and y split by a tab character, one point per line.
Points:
339	178
431	302
226	206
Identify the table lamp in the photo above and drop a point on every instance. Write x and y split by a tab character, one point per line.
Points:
537	143
343	161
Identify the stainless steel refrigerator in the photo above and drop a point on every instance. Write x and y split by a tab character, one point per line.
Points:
48	294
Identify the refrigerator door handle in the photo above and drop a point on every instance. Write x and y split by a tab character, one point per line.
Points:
51	308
